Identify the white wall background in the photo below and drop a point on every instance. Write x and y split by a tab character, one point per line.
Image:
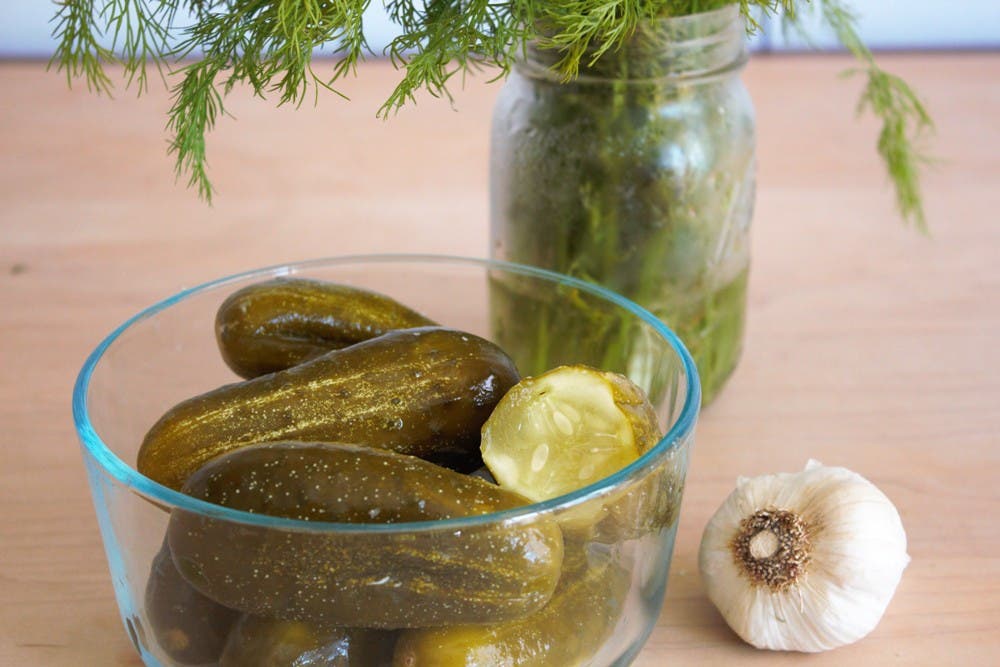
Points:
25	30
913	24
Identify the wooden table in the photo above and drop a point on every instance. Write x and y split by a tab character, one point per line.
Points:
869	346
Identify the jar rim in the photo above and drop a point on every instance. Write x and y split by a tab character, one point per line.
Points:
718	35
111	464
730	11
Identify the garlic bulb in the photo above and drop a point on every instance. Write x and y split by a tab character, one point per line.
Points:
803	561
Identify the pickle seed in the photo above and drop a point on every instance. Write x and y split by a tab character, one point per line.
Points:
540	457
562	422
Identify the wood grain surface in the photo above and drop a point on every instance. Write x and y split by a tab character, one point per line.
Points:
869	346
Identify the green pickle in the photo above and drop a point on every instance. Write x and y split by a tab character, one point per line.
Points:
189	627
264	642
567	632
283	322
424	392
375	579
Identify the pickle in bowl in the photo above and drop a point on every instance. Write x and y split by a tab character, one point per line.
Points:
389	579
424	392
398	555
191	628
280	323
265	642
567	632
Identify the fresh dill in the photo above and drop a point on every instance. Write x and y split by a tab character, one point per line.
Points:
268	45
904	119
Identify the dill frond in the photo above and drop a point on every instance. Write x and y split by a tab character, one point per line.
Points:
905	121
79	52
269	44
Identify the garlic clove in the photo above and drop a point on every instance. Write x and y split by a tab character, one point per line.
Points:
803	561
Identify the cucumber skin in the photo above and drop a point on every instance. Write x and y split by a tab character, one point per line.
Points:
424	392
264	642
417	578
280	323
568	631
189	627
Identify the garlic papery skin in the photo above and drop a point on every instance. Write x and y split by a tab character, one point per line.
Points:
803	561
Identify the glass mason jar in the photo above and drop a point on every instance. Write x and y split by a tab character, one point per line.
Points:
637	175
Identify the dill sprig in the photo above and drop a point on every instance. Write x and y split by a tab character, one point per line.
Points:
269	45
905	121
442	38
79	51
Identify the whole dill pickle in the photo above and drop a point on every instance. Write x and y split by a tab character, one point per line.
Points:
189	627
264	642
424	392
280	323
365	578
567	632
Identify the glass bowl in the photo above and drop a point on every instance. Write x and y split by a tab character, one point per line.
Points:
608	562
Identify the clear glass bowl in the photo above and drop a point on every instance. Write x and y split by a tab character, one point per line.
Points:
617	534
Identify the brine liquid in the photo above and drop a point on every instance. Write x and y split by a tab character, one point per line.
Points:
540	332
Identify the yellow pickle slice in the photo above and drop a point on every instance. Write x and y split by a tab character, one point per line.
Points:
565	429
572	426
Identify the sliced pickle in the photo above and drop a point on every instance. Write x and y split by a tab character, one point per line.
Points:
565	429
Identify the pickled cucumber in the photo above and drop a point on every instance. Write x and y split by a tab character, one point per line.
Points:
280	323
572	426
377	579
565	429
424	392
263	642
189	627
649	505
567	632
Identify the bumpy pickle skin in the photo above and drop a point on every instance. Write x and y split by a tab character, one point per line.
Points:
413	578
280	323
189	627
567	632
264	642
424	392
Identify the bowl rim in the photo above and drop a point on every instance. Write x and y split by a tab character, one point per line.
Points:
169	498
